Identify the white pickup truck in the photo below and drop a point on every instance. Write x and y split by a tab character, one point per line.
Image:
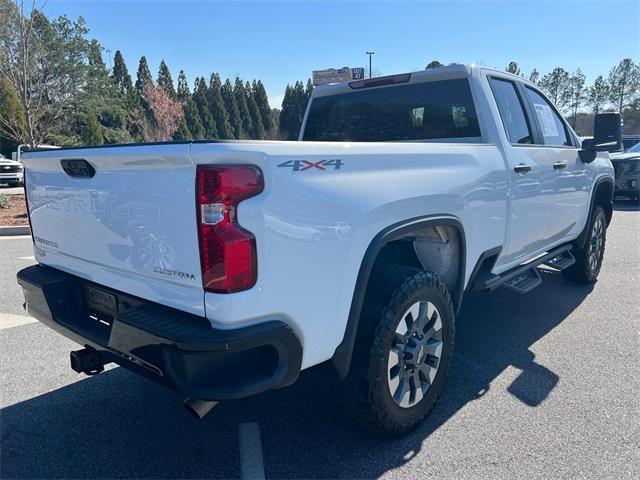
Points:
222	269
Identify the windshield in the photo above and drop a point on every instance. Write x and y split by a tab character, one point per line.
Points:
419	111
634	149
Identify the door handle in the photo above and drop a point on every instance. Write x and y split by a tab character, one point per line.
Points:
560	165
522	168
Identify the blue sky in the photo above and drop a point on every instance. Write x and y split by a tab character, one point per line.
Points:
281	42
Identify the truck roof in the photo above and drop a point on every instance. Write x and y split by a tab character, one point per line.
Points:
433	74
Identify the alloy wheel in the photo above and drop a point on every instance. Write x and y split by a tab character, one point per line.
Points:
595	243
415	354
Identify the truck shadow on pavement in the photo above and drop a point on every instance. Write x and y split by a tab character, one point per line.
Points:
626	206
118	425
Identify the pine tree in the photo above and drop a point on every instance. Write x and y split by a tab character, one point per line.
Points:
183	87
217	107
513	68
120	74
258	132
91	130
433	64
534	76
192	118
308	90
200	99
285	119
99	101
192	125
10	106
231	106
240	95
165	81
260	95
144	76
294	105
183	132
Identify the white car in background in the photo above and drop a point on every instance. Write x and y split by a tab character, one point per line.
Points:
11	172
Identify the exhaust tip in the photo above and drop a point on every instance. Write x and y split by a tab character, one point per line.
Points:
197	407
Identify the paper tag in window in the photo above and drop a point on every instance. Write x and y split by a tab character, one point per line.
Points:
547	122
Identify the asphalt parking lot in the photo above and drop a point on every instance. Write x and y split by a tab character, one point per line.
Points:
542	386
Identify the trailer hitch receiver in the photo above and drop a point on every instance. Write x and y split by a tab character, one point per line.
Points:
88	361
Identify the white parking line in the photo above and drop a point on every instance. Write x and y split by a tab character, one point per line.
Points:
251	462
9	320
15	237
30	257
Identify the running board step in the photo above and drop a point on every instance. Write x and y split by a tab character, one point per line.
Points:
525	278
524	282
562	261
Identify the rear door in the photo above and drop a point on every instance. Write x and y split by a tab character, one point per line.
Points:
531	175
123	217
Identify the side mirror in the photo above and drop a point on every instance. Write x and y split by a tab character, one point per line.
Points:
607	136
607	132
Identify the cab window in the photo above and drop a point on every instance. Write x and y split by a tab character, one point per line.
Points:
511	111
552	127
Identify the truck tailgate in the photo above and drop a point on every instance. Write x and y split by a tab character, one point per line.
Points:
124	217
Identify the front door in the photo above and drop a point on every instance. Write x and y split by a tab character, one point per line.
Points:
571	180
531	176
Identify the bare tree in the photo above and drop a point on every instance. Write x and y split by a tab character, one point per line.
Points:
557	86
624	83
577	93
43	64
598	94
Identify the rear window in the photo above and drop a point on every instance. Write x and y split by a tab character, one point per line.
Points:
419	111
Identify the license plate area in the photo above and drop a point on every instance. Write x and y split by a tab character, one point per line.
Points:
102	306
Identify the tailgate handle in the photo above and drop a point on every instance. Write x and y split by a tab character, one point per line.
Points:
78	168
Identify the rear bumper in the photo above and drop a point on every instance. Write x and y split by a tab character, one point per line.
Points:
174	348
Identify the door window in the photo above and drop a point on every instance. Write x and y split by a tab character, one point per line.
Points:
551	125
511	111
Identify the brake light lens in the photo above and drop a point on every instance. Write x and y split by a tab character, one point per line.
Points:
228	257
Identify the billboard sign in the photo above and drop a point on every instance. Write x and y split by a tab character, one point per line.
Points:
336	75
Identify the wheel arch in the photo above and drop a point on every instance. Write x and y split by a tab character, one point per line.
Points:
602	194
341	359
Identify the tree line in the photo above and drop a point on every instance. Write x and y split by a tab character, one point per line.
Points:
619	91
56	88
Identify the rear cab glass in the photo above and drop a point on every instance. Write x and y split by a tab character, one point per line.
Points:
436	110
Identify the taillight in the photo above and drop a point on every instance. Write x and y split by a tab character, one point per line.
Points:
227	251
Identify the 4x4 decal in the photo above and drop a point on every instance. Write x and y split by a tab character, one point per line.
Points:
305	165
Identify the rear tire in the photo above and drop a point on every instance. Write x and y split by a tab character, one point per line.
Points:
402	352
589	257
